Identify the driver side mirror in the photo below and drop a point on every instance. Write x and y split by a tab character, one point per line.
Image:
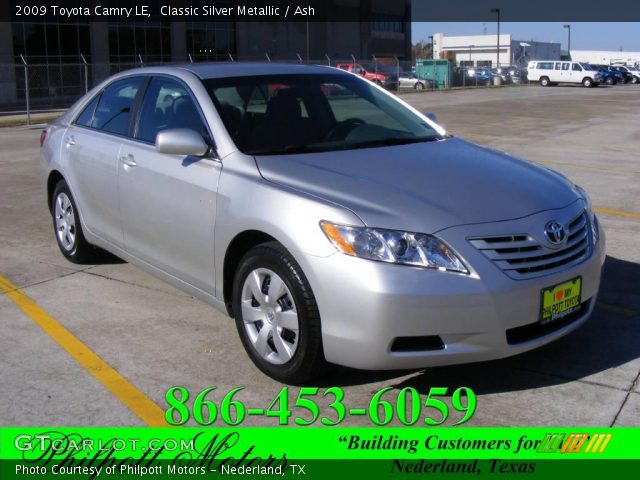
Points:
181	141
431	116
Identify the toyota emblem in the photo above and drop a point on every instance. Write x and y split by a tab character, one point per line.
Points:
555	232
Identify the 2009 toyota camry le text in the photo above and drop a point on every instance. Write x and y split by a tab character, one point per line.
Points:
335	223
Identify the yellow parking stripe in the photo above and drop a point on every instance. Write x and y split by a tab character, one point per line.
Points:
136	401
622	213
627	312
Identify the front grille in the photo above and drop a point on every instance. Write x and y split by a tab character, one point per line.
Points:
537	329
521	256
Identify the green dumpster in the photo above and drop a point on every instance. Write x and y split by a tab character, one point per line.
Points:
438	71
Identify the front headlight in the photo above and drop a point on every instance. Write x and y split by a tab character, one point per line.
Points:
391	246
593	220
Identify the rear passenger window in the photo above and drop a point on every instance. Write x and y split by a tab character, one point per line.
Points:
86	116
114	108
167	104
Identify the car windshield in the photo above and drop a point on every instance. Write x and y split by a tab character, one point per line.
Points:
288	114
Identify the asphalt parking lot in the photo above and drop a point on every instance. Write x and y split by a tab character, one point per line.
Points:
150	336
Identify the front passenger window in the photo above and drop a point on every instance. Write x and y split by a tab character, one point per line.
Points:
576	68
167	104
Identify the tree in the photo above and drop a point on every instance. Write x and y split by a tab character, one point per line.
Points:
421	49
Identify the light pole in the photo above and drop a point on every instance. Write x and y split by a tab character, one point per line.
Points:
497	10
568	27
470	47
433	64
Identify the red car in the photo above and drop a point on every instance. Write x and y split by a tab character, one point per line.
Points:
383	79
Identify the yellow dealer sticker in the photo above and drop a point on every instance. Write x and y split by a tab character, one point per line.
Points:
560	300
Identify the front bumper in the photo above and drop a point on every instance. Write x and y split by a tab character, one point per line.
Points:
365	306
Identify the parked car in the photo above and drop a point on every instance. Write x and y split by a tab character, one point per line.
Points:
627	76
504	76
410	80
336	228
549	72
483	76
386	79
508	74
609	77
472	76
632	74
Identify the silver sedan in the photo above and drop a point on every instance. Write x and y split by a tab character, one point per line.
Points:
410	80
335	223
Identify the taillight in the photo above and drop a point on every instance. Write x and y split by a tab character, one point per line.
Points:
43	137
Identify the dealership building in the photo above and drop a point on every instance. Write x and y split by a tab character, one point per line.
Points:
603	57
483	50
57	51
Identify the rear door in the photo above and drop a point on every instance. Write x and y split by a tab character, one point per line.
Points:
92	145
168	202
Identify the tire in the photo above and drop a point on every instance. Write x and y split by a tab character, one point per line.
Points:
610	81
284	354
418	86
634	79
544	81
67	227
587	82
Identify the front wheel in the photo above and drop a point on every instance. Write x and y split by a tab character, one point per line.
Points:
587	82
67	227
634	80
277	316
418	86
610	81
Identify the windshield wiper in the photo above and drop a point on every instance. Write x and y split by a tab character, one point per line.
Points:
380	142
289	149
389	141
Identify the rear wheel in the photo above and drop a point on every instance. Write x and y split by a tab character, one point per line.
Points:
544	81
277	316
67	227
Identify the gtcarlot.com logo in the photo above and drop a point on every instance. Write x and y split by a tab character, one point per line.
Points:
574	443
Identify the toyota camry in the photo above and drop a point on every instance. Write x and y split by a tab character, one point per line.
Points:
334	222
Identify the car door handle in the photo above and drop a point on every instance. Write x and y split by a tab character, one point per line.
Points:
71	140
128	160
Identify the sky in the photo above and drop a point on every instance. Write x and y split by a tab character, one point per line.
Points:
584	36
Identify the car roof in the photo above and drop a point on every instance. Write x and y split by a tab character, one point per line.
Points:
240	69
205	70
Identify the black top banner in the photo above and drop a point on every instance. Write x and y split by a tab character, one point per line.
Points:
320	10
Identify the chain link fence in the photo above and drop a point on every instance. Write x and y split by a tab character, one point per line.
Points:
38	87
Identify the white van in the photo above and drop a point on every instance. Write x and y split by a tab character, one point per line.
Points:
551	72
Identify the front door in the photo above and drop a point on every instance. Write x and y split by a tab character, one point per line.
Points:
168	202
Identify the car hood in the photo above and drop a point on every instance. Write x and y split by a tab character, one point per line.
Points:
423	187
